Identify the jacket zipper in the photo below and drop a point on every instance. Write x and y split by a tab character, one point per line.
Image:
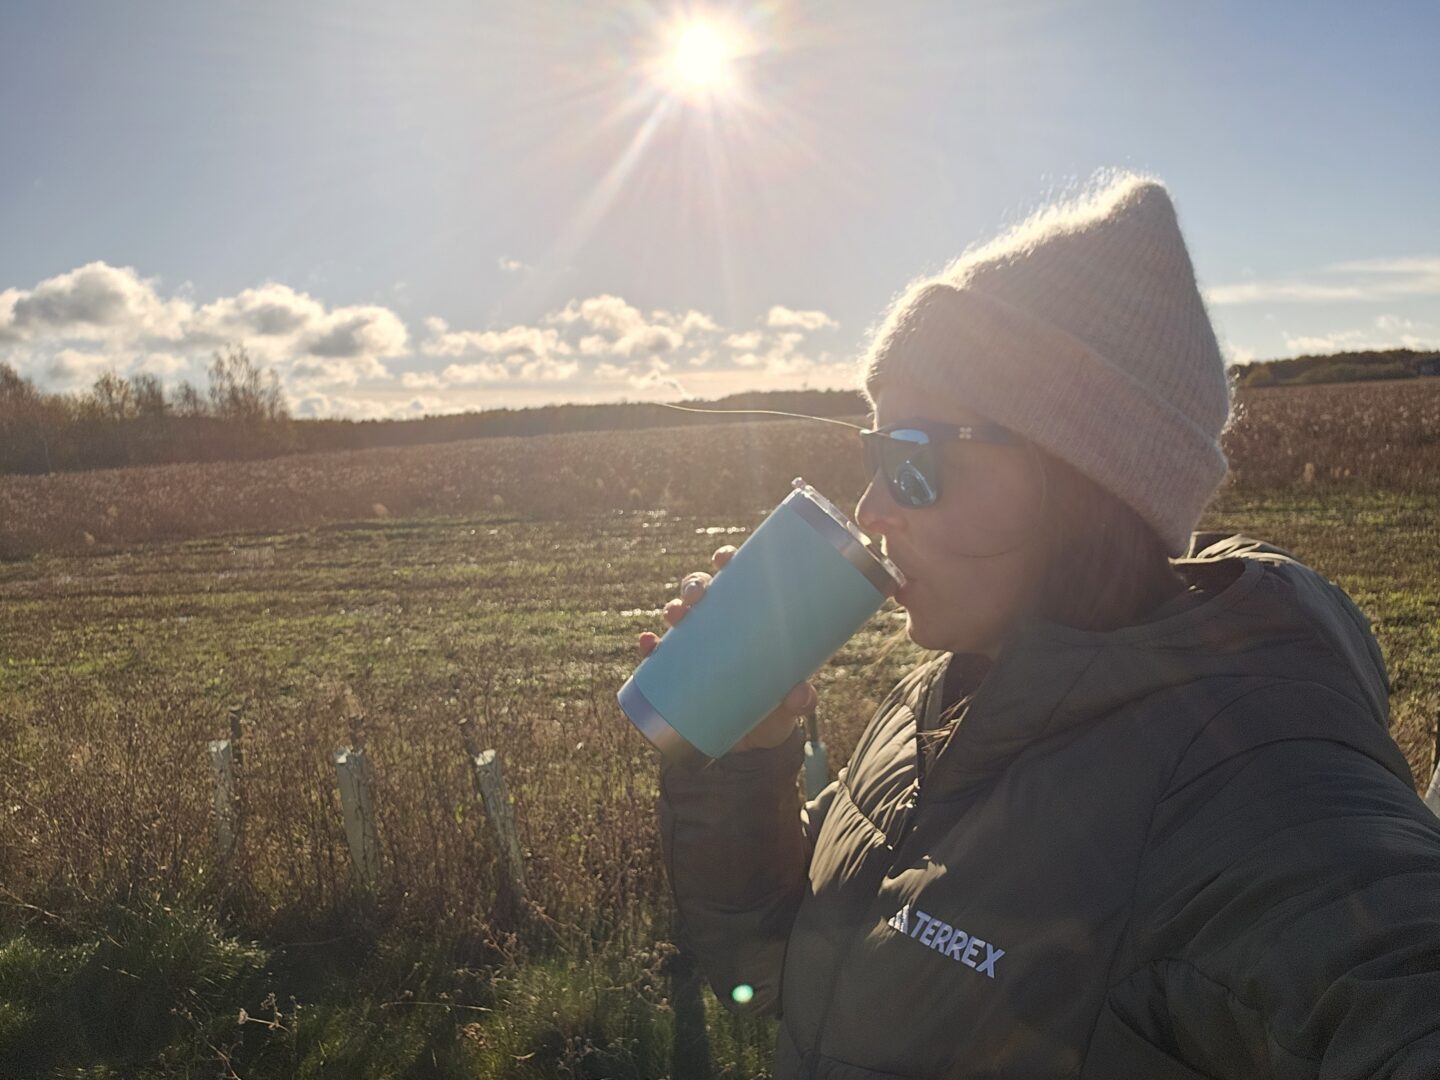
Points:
909	811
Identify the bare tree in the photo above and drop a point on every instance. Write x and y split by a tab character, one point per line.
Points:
24	438
188	401
149	394
114	397
240	391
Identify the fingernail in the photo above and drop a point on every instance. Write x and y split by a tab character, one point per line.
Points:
691	590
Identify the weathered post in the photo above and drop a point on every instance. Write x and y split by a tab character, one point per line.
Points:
817	758
222	761
352	771
489	784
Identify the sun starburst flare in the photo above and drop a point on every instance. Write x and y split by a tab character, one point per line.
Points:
698	61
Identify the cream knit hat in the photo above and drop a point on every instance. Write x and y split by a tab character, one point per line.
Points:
1082	330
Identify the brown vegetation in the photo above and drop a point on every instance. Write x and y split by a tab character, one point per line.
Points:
1361	436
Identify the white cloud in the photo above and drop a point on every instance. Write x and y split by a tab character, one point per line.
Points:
139	330
314	371
621	329
484	371
805	320
548	370
1372	280
1388	332
269	311
530	341
321	406
68	329
654	380
1394	324
361	334
1425	265
689	323
95	302
165	365
776	354
76	370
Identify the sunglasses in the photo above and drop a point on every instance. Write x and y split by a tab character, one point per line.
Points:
905	455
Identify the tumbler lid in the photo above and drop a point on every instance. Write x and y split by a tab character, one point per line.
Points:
838	528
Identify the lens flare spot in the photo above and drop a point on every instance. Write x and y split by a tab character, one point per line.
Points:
742	994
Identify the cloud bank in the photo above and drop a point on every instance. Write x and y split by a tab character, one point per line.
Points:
1360	280
362	360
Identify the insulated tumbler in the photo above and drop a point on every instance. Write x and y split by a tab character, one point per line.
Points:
795	591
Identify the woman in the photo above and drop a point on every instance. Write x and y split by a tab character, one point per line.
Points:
1141	817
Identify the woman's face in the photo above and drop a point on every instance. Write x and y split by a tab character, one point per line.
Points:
971	560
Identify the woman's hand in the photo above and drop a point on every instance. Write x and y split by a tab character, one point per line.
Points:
776	727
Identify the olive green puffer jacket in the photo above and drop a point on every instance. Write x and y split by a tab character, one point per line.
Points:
1183	849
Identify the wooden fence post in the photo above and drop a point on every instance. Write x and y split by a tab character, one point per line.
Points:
222	761
352	771
489	783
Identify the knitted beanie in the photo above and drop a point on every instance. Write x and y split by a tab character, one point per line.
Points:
1083	331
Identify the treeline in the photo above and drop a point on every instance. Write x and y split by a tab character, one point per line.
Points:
241	414
1339	367
134	421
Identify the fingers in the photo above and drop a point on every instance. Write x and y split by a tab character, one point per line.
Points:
692	591
776	728
675	611
693	586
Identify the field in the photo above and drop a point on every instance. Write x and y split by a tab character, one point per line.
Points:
378	598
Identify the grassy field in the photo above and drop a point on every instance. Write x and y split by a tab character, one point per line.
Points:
129	947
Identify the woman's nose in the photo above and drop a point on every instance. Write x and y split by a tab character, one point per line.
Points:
876	512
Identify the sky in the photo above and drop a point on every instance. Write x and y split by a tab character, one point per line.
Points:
436	206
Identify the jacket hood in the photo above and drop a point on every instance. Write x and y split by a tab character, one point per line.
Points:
1265	619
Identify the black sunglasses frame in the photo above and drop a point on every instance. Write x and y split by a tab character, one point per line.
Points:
913	477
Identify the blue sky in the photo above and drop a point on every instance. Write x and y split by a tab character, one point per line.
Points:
437	206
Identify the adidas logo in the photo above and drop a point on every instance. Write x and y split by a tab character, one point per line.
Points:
946	939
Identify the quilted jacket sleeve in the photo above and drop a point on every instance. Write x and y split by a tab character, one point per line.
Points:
1288	911
737	844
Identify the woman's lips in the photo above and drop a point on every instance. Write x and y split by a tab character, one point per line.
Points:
905	589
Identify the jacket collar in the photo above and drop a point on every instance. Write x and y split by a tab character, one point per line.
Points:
1049	678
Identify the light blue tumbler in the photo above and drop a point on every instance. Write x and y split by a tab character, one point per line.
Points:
793	593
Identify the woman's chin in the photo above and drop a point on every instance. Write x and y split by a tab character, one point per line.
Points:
917	631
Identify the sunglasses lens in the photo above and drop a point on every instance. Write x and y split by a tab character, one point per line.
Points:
907	461
911	485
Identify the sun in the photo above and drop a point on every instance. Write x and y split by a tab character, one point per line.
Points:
698	61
